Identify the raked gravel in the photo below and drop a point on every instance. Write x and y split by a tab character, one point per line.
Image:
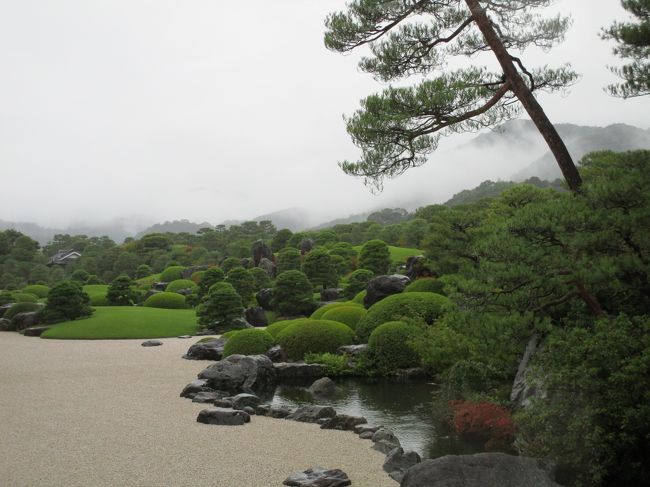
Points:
108	413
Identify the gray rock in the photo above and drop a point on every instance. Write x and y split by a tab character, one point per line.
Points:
221	327
384	434
268	266
241	373
184	336
385	441
366	435
366	428
480	470
318	477
5	325
398	462
343	422
306	245
298	372
352	350
331	294
207	396
35	331
240	401
159	286
208	350
151	343
24	320
262	410
249	410
413	373
223	403
277	354
323	387
416	267
312	413
381	287
264	297
194	387
222	416
256	316
279	412
260	251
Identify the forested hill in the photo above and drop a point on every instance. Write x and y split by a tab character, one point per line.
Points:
492	189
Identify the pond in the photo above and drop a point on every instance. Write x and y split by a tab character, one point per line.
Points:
404	407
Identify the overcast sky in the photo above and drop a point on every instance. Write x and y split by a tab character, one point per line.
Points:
151	110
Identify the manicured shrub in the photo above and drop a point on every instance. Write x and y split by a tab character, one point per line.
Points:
229	334
278	326
22	297
357	282
243	282
66	301
293	294
172	273
261	278
426	285
178	284
197	276
422	306
360	297
288	260
347	252
80	275
210	277
5	298
375	256
221	306
230	263
120	292
165	300
390	348
314	336
248	342
21	308
319	268
349	315
318	314
39	290
143	270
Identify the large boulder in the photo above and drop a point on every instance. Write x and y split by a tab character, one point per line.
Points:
260	251
352	351
219	327
208	350
331	294
277	354
318	477
416	266
35	331
6	325
241	373
398	462
343	422
385	441
479	470
24	320
240	401
194	387
301	373
306	245
264	297
223	416
381	287
268	266
323	387
256	316
312	413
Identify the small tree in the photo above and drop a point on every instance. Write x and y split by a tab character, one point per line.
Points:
288	260
211	276
243	282
260	277
633	43
357	282
397	129
220	307
120	292
231	263
281	239
143	270
320	269
80	275
375	257
293	294
66	301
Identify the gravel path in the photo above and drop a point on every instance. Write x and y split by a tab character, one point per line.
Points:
107	413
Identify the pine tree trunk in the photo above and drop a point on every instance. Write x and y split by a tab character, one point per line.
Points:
526	97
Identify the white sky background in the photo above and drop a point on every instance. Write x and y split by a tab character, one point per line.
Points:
155	110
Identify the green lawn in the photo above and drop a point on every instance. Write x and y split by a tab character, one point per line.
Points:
398	255
113	322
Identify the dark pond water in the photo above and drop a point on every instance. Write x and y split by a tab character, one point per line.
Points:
404	407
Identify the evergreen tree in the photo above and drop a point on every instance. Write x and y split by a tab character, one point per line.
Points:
293	294
220	307
211	276
320	269
66	301
288	260
120	292
243	282
375	257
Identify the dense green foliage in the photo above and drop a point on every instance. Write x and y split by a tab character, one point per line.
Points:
390	345
375	257
318	314
314	336
165	300
357	282
248	342
243	283
426	284
221	306
109	323
180	284
121	292
275	328
360	297
39	290
349	315
288	260
210	277
23	297
172	273
293	294
320	269
21	308
423	306
260	278
335	365
66	301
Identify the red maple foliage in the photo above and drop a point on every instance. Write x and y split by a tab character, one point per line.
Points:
483	419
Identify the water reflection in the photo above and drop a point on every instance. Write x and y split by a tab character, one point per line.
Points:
404	407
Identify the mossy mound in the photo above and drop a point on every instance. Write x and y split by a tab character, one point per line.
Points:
165	300
248	342
178	284
314	336
39	290
278	326
417	305
172	273
23	297
21	308
390	348
360	297
349	315
318	314
426	285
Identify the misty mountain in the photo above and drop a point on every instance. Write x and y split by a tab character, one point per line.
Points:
295	219
175	226
521	135
115	231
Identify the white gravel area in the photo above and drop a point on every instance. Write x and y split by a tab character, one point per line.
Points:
108	413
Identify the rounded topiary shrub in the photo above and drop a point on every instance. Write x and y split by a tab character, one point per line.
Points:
248	342
278	326
165	300
389	345
318	314
39	290
357	282
293	294
314	336
172	273
22	297
426	285
375	256
197	276
360	297
423	306
21	308
178	284
349	315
